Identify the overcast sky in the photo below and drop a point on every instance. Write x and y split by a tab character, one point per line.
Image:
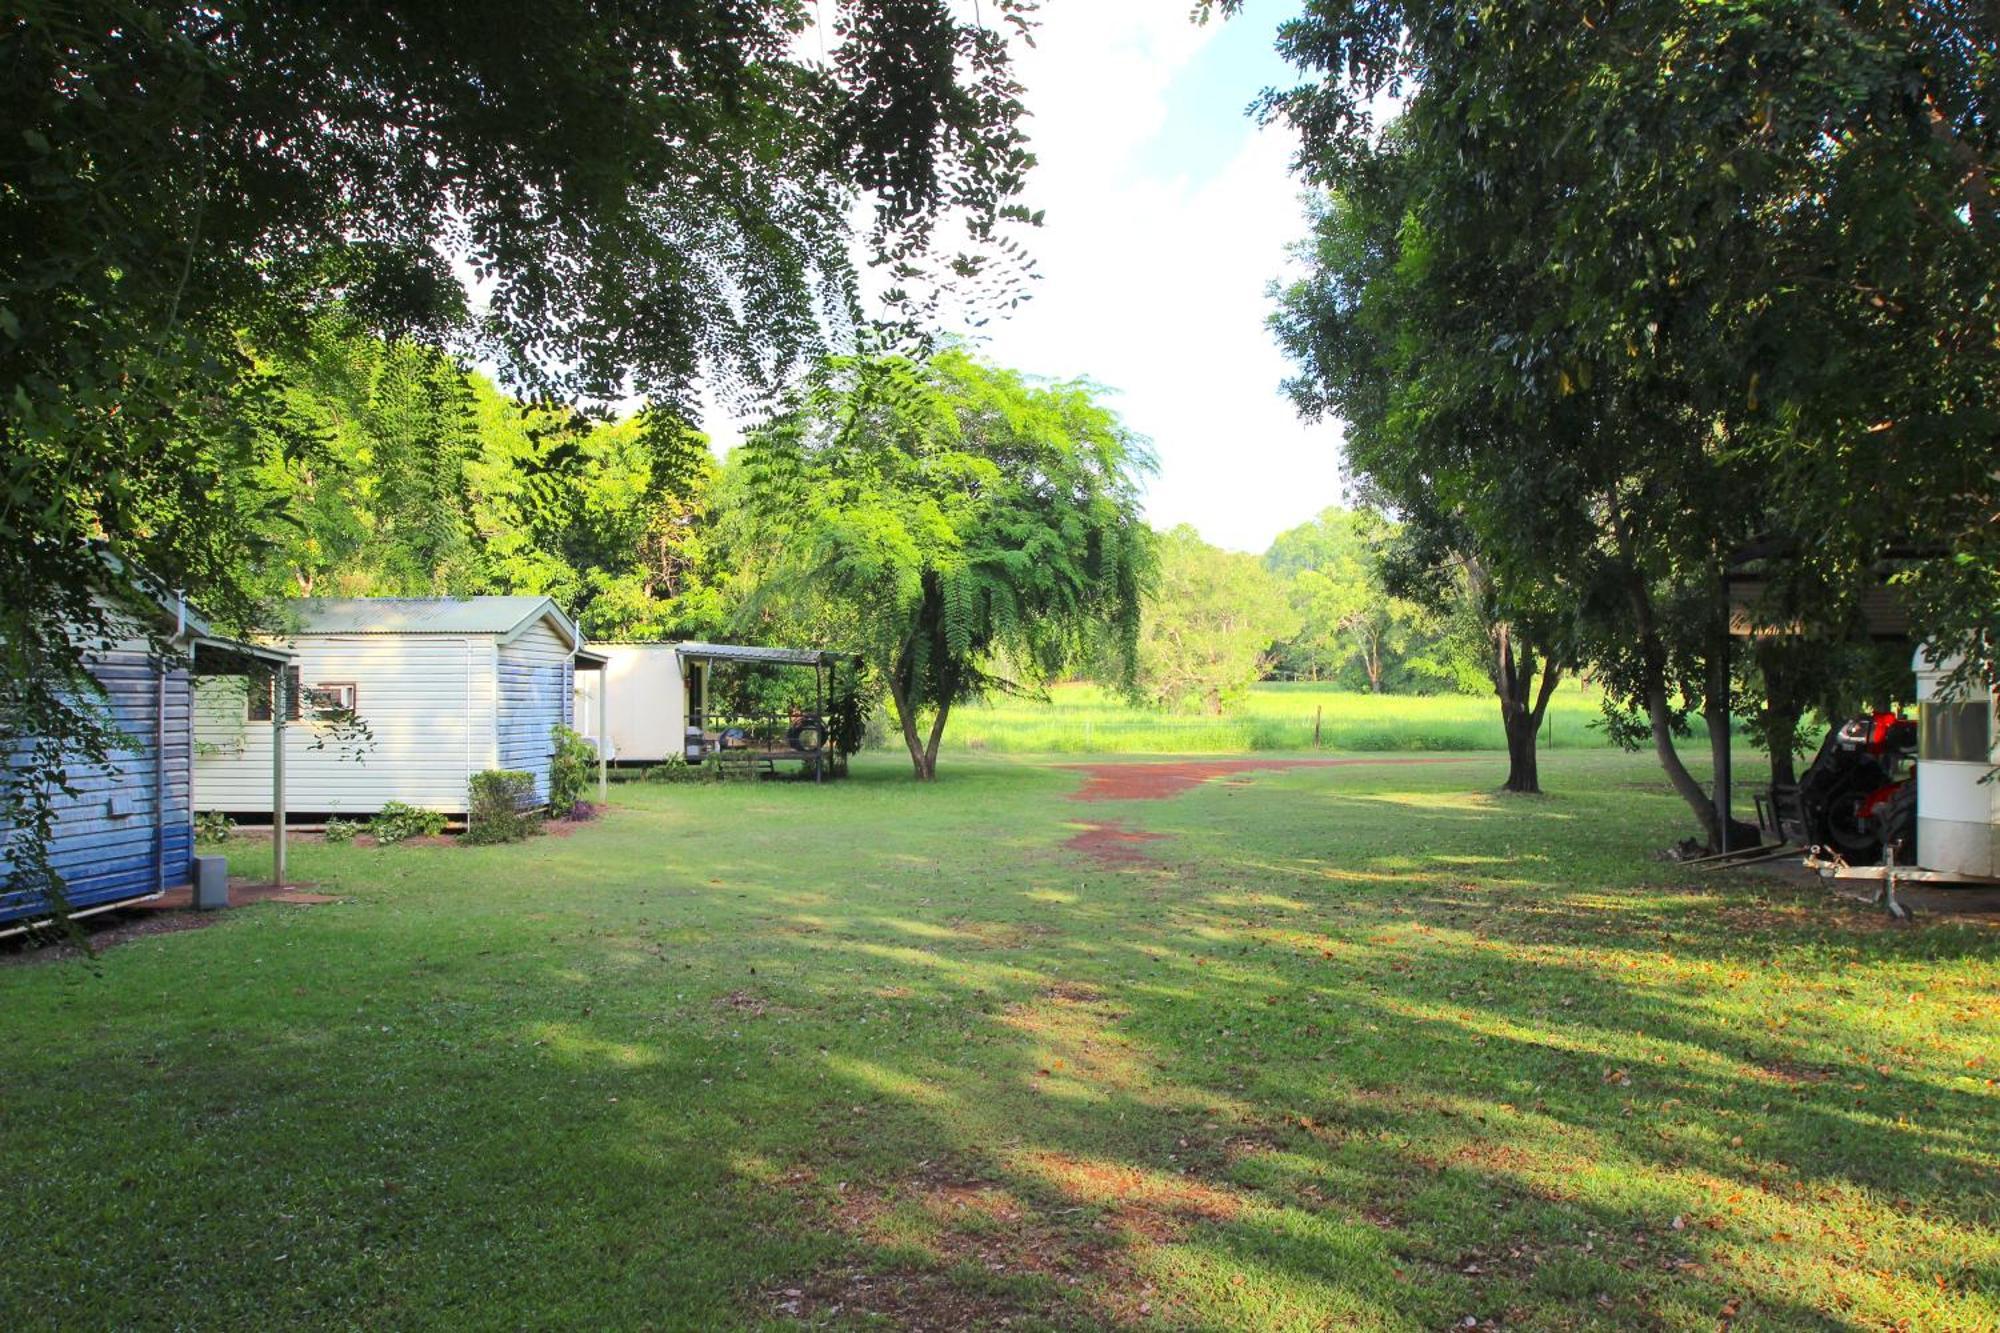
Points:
1168	213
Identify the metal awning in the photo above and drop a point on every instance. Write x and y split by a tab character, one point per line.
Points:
586	660
738	652
232	657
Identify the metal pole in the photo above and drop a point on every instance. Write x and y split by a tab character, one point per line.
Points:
280	704
604	736
1719	745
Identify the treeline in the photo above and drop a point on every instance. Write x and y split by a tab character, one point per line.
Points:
391	470
394	471
1321	605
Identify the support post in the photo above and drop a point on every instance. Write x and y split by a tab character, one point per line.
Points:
280	705
819	711
604	737
1719	746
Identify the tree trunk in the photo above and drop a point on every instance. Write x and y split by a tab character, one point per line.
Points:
906	717
1653	658
1660	716
1782	711
1522	707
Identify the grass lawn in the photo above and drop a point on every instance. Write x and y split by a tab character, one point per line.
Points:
1345	1047
1088	719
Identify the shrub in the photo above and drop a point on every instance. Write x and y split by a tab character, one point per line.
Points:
501	801
340	830
397	821
674	768
569	769
847	720
212	826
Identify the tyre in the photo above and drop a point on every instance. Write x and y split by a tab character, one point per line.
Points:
1899	824
1856	838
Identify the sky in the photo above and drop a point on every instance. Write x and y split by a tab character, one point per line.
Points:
1168	212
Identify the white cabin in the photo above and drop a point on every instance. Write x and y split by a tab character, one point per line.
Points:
651	697
1958	749
445	688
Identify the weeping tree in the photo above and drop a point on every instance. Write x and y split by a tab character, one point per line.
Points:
955	516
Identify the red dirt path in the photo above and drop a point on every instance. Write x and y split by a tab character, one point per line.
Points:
1112	844
1157	781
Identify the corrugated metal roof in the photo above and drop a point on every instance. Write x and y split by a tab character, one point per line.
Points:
422	615
737	652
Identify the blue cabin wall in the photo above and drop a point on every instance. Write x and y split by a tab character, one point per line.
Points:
105	845
536	692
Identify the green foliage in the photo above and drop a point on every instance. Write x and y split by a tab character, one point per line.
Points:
847	722
658	195
338	830
213	826
1355	628
572	767
1210	622
947	513
501	806
397	821
675	768
1625	287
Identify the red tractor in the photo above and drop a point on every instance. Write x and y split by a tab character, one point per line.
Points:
1860	792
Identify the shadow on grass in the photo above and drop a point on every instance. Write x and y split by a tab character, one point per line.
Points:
1332	1061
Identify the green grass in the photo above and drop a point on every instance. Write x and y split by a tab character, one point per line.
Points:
1088	719
1361	1047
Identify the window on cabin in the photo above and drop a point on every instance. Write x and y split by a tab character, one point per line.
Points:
332	697
1954	732
260	696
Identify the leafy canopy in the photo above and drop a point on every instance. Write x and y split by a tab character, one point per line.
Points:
955	515
651	194
1210	624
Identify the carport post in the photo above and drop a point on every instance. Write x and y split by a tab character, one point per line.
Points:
279	706
603	736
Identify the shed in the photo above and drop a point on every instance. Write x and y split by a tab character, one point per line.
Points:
404	699
659	697
127	832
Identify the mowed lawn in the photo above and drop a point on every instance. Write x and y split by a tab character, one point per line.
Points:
1360	1046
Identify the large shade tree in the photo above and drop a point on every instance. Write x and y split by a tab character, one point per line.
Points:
954	517
1720	269
651	195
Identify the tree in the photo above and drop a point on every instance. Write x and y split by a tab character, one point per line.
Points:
1210	624
1489	529
1725	262
652	194
952	513
1348	613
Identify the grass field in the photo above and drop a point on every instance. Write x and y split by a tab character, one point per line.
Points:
1365	1047
1087	719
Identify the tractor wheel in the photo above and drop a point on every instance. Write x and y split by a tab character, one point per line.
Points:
1855	838
1899	824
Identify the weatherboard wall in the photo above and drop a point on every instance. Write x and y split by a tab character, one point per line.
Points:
122	831
429	702
537	694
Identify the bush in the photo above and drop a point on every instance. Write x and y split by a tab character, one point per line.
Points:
502	800
340	830
212	826
397	821
569	770
674	768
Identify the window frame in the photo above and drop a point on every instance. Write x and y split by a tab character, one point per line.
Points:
1957	731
